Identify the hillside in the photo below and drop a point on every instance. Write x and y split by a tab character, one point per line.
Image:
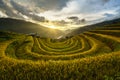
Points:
108	23
21	26
92	55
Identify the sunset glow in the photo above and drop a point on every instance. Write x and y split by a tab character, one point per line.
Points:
61	14
53	27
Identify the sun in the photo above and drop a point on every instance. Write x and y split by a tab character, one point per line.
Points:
53	27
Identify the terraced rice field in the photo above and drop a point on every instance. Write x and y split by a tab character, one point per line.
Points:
93	55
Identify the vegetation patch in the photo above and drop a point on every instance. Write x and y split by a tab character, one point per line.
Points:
93	55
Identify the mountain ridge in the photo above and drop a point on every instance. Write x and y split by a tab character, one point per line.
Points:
94	26
21	26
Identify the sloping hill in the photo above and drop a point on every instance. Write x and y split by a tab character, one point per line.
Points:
92	55
115	22
21	26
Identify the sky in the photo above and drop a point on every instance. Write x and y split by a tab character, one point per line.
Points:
61	14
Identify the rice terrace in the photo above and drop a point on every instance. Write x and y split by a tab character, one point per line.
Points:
35	47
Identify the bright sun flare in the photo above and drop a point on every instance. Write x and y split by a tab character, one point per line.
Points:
53	27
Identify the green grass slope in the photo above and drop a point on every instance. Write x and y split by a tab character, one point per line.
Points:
92	55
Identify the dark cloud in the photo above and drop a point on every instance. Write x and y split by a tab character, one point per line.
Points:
46	4
19	8
97	2
16	10
51	4
82	20
7	9
108	15
25	11
38	18
73	18
76	20
105	1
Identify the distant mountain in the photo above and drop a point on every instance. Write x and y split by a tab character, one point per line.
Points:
21	26
109	23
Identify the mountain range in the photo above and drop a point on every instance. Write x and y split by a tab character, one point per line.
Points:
21	26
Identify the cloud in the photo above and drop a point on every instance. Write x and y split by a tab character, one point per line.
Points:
38	18
45	4
61	12
105	1
108	15
26	12
73	18
84	6
52	4
8	9
2	14
4	7
61	23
